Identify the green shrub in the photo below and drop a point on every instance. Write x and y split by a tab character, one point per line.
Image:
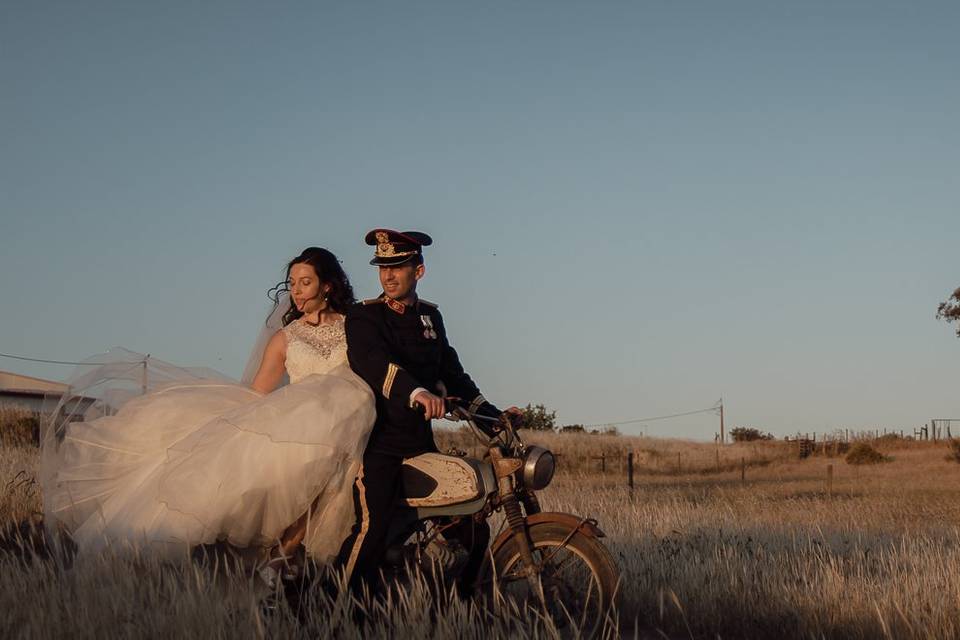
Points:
863	453
890	438
537	418
748	434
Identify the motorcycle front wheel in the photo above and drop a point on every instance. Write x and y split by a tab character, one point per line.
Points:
578	577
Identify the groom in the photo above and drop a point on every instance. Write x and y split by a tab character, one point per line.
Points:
398	344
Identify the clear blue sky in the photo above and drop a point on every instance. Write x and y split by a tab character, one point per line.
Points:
637	207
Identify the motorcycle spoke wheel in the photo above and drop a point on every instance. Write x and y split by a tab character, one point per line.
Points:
576	574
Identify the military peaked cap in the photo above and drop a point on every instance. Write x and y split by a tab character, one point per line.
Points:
395	247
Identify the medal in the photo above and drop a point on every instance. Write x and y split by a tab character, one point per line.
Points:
428	332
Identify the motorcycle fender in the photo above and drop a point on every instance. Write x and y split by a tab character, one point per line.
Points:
586	527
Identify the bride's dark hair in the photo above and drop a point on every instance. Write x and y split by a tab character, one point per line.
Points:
329	271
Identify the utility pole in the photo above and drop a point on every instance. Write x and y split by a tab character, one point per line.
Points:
143	379
722	440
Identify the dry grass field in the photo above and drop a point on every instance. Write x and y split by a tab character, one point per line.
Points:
702	553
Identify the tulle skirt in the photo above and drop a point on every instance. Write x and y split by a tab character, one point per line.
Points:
206	461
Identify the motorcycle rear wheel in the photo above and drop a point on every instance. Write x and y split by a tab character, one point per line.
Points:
579	577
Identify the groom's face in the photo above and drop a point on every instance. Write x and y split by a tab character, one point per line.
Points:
400	281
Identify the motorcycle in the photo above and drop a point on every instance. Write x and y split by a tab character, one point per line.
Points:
553	561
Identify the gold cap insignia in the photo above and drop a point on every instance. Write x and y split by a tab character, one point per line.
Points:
393	247
384	246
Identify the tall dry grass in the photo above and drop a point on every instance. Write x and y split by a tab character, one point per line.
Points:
702	555
18	427
778	556
581	452
20	496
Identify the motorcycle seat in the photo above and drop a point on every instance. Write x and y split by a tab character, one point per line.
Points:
439	480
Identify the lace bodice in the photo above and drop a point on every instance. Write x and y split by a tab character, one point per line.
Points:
314	349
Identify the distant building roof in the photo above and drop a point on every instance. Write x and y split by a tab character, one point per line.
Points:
20	384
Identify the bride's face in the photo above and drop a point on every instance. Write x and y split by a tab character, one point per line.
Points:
306	291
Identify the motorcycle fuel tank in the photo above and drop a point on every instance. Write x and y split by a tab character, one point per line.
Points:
436	480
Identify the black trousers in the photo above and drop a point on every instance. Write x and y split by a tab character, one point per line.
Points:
375	495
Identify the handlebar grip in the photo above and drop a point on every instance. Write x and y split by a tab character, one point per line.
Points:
449	404
417	406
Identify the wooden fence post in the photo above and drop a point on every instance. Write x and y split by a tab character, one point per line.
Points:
830	481
678	463
603	462
630	470
718	459
743	469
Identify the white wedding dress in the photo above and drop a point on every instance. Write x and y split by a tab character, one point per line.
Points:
206	459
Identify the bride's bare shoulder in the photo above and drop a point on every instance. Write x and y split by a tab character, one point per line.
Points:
270	371
277	343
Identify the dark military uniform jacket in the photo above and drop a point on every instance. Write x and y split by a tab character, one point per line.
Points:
396	349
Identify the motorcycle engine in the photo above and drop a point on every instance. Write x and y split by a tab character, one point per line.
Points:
449	556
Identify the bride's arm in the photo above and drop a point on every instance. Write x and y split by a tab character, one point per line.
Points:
271	367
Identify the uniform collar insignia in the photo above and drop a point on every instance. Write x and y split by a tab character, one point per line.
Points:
395	305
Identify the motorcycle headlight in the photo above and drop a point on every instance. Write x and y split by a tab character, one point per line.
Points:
538	467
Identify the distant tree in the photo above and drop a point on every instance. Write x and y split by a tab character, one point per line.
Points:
537	417
949	310
572	428
748	434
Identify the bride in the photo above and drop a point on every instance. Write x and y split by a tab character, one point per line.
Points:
199	459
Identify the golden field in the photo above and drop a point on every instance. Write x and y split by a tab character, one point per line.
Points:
702	553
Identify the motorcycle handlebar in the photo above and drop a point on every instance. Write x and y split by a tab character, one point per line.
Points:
454	410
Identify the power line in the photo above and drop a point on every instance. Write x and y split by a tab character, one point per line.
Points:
7	355
714	408
635	420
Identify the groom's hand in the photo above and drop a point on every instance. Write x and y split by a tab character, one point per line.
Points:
433	406
513	415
